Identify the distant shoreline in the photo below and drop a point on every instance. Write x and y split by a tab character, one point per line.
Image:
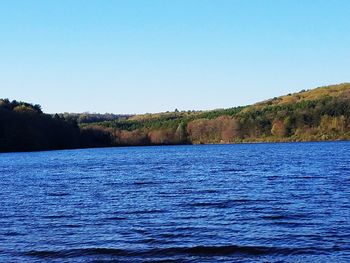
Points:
321	114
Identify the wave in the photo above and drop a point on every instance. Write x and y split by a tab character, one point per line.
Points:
232	170
173	251
79	252
57	216
115	218
227	203
57	194
72	225
13	233
226	170
223	204
145	183
286	216
151	211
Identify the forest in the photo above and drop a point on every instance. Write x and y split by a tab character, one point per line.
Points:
24	127
319	114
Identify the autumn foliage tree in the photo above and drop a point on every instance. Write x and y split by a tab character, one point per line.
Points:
319	114
223	129
279	129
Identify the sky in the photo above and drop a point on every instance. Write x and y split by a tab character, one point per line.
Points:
139	56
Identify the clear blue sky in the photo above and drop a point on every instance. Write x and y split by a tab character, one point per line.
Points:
132	56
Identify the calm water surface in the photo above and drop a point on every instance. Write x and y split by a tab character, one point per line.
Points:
231	203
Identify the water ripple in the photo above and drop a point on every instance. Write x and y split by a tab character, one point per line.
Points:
213	203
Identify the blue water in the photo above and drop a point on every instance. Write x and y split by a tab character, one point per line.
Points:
286	202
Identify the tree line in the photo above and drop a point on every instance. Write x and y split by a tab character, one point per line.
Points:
314	115
24	127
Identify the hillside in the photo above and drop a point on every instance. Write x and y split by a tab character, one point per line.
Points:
340	90
313	115
317	114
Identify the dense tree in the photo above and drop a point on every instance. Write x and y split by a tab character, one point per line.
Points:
24	127
319	114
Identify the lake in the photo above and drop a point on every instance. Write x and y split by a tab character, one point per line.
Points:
278	202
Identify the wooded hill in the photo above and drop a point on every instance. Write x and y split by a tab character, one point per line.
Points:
319	114
313	115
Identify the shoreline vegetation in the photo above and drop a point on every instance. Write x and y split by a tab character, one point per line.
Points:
321	114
